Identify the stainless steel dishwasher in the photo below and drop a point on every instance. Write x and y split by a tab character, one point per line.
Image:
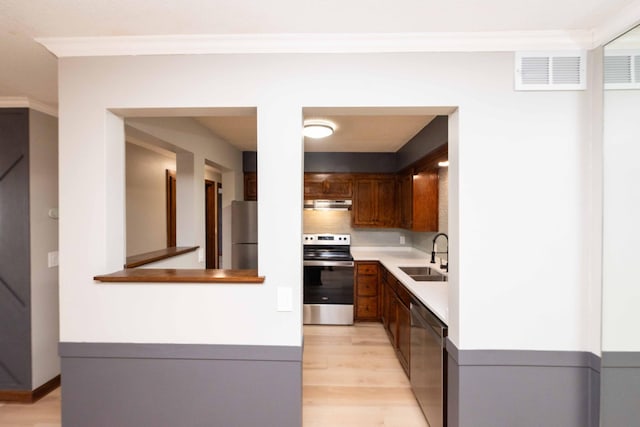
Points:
428	364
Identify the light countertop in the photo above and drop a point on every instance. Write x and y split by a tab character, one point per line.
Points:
434	295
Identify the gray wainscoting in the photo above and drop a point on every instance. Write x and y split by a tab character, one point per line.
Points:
520	388
133	385
620	389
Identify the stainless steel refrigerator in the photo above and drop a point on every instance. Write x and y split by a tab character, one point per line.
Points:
244	235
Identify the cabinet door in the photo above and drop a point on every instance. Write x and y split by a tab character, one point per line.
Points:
375	202
425	201
392	316
404	335
364	206
338	186
312	188
405	198
328	186
386	202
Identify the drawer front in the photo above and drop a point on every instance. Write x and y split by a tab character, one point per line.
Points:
403	294
367	307
368	269
367	285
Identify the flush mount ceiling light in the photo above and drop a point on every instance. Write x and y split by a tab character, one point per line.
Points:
318	129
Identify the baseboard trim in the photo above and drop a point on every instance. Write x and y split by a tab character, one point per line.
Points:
24	396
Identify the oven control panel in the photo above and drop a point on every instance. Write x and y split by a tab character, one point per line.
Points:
326	239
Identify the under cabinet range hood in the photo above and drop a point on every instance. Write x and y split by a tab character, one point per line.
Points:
328	205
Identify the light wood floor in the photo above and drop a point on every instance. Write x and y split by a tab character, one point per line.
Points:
351	377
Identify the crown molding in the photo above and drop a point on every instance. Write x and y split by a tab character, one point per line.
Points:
624	19
64	47
24	102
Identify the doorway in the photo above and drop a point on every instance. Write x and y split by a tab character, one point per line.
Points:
213	215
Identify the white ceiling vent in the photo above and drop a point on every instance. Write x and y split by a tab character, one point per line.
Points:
550	71
622	69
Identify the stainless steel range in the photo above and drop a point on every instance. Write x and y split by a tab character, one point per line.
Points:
328	279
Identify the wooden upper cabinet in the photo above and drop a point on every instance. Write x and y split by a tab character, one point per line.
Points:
418	200
405	198
374	201
328	186
425	201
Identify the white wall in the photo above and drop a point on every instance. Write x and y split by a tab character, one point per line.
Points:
43	195
195	145
621	241
146	199
532	204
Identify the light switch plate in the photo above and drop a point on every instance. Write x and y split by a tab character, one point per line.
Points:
200	255
285	299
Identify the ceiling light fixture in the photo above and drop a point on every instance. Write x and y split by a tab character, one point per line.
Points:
318	129
443	164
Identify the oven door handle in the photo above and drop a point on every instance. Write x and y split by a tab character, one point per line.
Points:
313	263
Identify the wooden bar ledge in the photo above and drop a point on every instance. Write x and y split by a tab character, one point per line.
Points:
181	275
149	257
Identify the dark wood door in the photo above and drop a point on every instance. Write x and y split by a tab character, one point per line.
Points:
171	207
211	223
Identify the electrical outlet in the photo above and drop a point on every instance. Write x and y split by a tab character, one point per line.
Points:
402	240
200	255
52	259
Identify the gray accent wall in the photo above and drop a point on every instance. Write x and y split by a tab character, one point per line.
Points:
432	136
15	293
350	162
620	389
114	384
522	388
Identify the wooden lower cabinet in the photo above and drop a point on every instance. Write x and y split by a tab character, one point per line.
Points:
367	293
396	316
404	336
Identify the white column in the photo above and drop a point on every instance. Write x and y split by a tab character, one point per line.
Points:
280	178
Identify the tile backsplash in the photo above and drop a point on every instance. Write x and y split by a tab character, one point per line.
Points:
340	222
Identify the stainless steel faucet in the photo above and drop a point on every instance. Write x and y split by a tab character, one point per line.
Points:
445	267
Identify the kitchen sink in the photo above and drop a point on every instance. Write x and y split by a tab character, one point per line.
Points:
424	274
